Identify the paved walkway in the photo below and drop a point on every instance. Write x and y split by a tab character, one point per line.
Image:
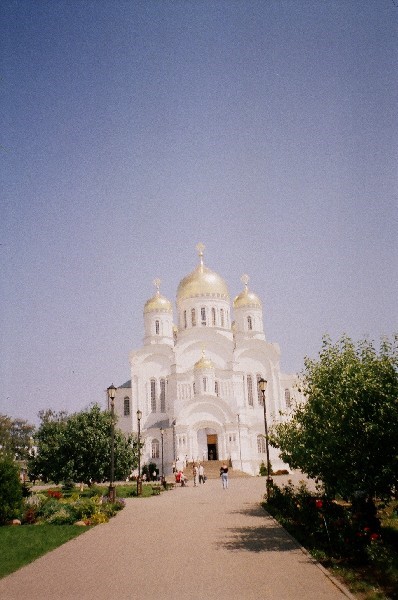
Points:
202	543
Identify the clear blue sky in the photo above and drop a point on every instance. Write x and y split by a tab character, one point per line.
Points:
131	130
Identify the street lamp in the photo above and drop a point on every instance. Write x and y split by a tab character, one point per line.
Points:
161	436
240	445
111	398
262	384
139	482
174	442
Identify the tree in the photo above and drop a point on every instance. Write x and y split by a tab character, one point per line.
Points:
10	490
15	437
345	433
78	448
49	462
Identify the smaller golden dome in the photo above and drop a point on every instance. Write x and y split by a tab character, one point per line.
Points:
204	363
246	298
158	303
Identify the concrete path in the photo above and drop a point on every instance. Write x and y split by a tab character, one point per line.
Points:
202	543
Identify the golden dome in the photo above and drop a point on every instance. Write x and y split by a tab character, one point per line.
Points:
204	363
246	298
158	303
202	282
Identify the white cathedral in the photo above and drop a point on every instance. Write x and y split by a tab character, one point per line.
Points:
196	383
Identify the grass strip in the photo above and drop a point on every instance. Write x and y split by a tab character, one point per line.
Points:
20	545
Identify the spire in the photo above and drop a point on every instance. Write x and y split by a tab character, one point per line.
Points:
245	280
156	282
200	249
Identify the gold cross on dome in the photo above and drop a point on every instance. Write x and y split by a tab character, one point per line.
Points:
245	280
200	249
156	283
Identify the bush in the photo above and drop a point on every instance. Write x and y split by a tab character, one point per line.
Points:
325	524
10	491
85	508
65	515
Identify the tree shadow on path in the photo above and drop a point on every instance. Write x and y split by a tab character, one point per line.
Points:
267	537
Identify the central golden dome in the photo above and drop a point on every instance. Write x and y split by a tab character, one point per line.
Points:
202	282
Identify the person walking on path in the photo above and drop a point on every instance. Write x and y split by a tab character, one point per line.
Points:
201	474
224	476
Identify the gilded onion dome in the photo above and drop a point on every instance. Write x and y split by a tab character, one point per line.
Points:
158	303
246	298
204	363
202	282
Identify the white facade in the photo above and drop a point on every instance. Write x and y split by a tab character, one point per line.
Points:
198	380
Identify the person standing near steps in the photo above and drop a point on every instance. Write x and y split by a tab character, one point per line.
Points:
224	476
195	472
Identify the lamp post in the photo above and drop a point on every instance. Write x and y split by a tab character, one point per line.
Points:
240	445
262	384
161	437
139	481
111	398
174	442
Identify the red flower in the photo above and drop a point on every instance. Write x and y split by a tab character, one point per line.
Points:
318	503
54	494
374	537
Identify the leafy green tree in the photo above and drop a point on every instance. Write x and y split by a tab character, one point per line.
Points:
78	448
15	437
49	462
10	490
345	433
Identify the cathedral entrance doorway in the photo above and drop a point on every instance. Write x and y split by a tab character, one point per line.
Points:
212	453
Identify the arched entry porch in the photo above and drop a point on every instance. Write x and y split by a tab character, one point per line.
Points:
208	444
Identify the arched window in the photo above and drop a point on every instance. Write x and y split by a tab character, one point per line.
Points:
287	398
193	317
155	449
163	395
213	317
194	389
126	406
249	323
261	444
185	319
203	315
153	395
222	317
216	388
259	392
157	327
249	381
205	384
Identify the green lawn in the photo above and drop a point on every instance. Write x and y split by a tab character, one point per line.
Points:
20	545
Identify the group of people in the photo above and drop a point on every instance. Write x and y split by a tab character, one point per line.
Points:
198	474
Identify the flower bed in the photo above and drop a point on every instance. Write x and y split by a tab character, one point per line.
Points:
53	508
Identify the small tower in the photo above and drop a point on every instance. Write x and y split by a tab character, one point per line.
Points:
158	319
248	313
